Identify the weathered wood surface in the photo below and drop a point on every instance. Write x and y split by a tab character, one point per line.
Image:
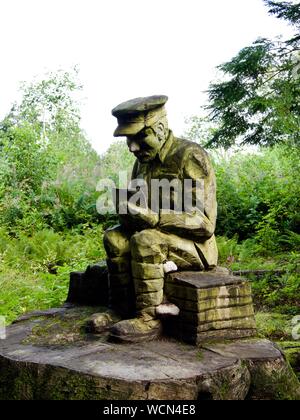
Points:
47	356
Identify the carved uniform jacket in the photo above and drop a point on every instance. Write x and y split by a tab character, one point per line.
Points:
185	160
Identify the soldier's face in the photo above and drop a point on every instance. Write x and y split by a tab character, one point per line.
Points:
145	145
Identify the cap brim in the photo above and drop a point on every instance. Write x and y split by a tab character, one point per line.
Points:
128	129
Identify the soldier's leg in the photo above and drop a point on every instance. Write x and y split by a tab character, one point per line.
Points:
183	253
121	293
150	249
148	252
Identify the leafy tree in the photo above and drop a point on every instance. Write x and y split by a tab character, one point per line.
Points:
25	159
259	100
51	102
49	170
199	129
285	10
117	159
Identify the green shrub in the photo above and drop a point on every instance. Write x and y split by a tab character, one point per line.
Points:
279	294
274	326
35	270
258	196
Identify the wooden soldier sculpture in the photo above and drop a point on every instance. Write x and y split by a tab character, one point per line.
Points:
147	244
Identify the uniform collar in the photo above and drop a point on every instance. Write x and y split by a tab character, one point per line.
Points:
166	147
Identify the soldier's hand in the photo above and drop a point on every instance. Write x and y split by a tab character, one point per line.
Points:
144	215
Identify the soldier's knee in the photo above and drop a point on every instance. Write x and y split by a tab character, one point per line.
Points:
147	246
146	237
116	242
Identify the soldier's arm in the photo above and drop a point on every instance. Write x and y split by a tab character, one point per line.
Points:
200	222
138	218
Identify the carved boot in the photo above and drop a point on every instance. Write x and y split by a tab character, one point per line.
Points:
148	283
141	328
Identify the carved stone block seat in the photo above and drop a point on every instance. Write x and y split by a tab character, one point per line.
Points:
213	306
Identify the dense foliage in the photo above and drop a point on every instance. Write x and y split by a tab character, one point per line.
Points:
258	195
48	169
48	177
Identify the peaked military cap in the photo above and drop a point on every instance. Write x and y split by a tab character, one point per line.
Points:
138	113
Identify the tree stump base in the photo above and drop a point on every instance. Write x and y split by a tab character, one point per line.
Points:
48	355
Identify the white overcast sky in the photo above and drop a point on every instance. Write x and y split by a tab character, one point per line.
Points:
126	49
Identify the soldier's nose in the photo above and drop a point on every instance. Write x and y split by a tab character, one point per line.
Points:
134	147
